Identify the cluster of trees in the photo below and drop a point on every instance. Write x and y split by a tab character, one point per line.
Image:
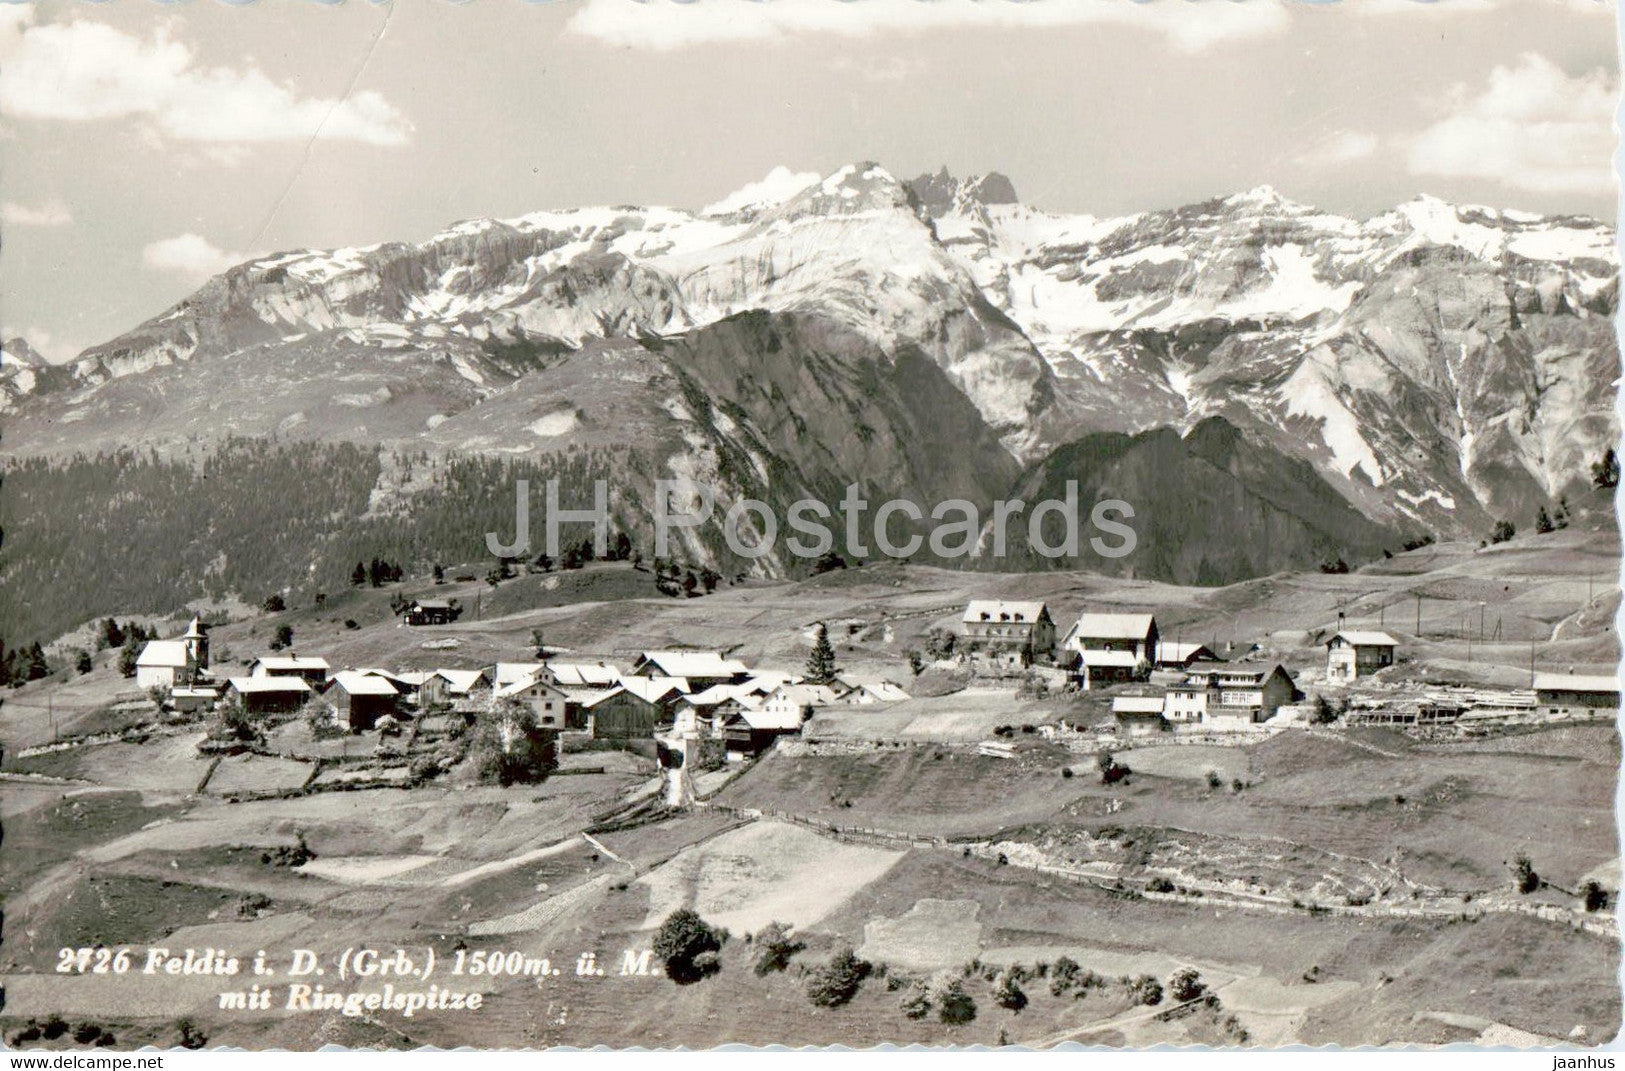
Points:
132	636
175	536
1557	519
377	573
509	748
135	532
18	667
688	946
675	580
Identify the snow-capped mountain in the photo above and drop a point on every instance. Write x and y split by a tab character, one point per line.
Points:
1437	362
20	368
1438	365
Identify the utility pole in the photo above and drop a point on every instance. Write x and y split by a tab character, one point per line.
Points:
1418	615
1531	665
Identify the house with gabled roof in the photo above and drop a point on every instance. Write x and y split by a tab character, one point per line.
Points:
750	731
1570	693
1108	648
854	690
359	699
1175	655
1138	715
701	669
313	670
548	703
268	694
1007	634
1352	654
634	708
431	612
1238	693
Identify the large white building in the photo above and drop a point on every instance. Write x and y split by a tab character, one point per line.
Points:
174	663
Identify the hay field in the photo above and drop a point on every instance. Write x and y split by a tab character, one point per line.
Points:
765	872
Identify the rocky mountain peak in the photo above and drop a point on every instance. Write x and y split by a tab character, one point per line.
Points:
942	193
16	353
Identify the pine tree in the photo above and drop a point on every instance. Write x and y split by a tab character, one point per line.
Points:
821	663
1605	473
37	666
126	657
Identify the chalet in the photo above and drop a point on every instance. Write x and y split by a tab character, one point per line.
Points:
865	691
701	669
1172	655
173	663
1009	632
1241	694
547	703
751	732
704	713
634	708
265	695
1110	648
505	673
1352	654
798	699
1138	715
313	671
431	612
360	699
193	698
1185	704
410	684
1568	693
463	689
584	675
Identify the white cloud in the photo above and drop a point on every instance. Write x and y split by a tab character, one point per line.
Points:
1340	147
83	70
1532	127
191	255
52	213
777	187
665	25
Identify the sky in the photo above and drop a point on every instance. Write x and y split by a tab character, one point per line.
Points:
145	147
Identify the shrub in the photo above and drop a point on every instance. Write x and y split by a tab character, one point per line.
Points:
774	948
1186	985
1007	992
837	981
1145	990
683	942
954	1005
1596	897
189	1036
1524	876
916	1001
1213	779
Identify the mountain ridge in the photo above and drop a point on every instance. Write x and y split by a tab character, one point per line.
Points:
1439	366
